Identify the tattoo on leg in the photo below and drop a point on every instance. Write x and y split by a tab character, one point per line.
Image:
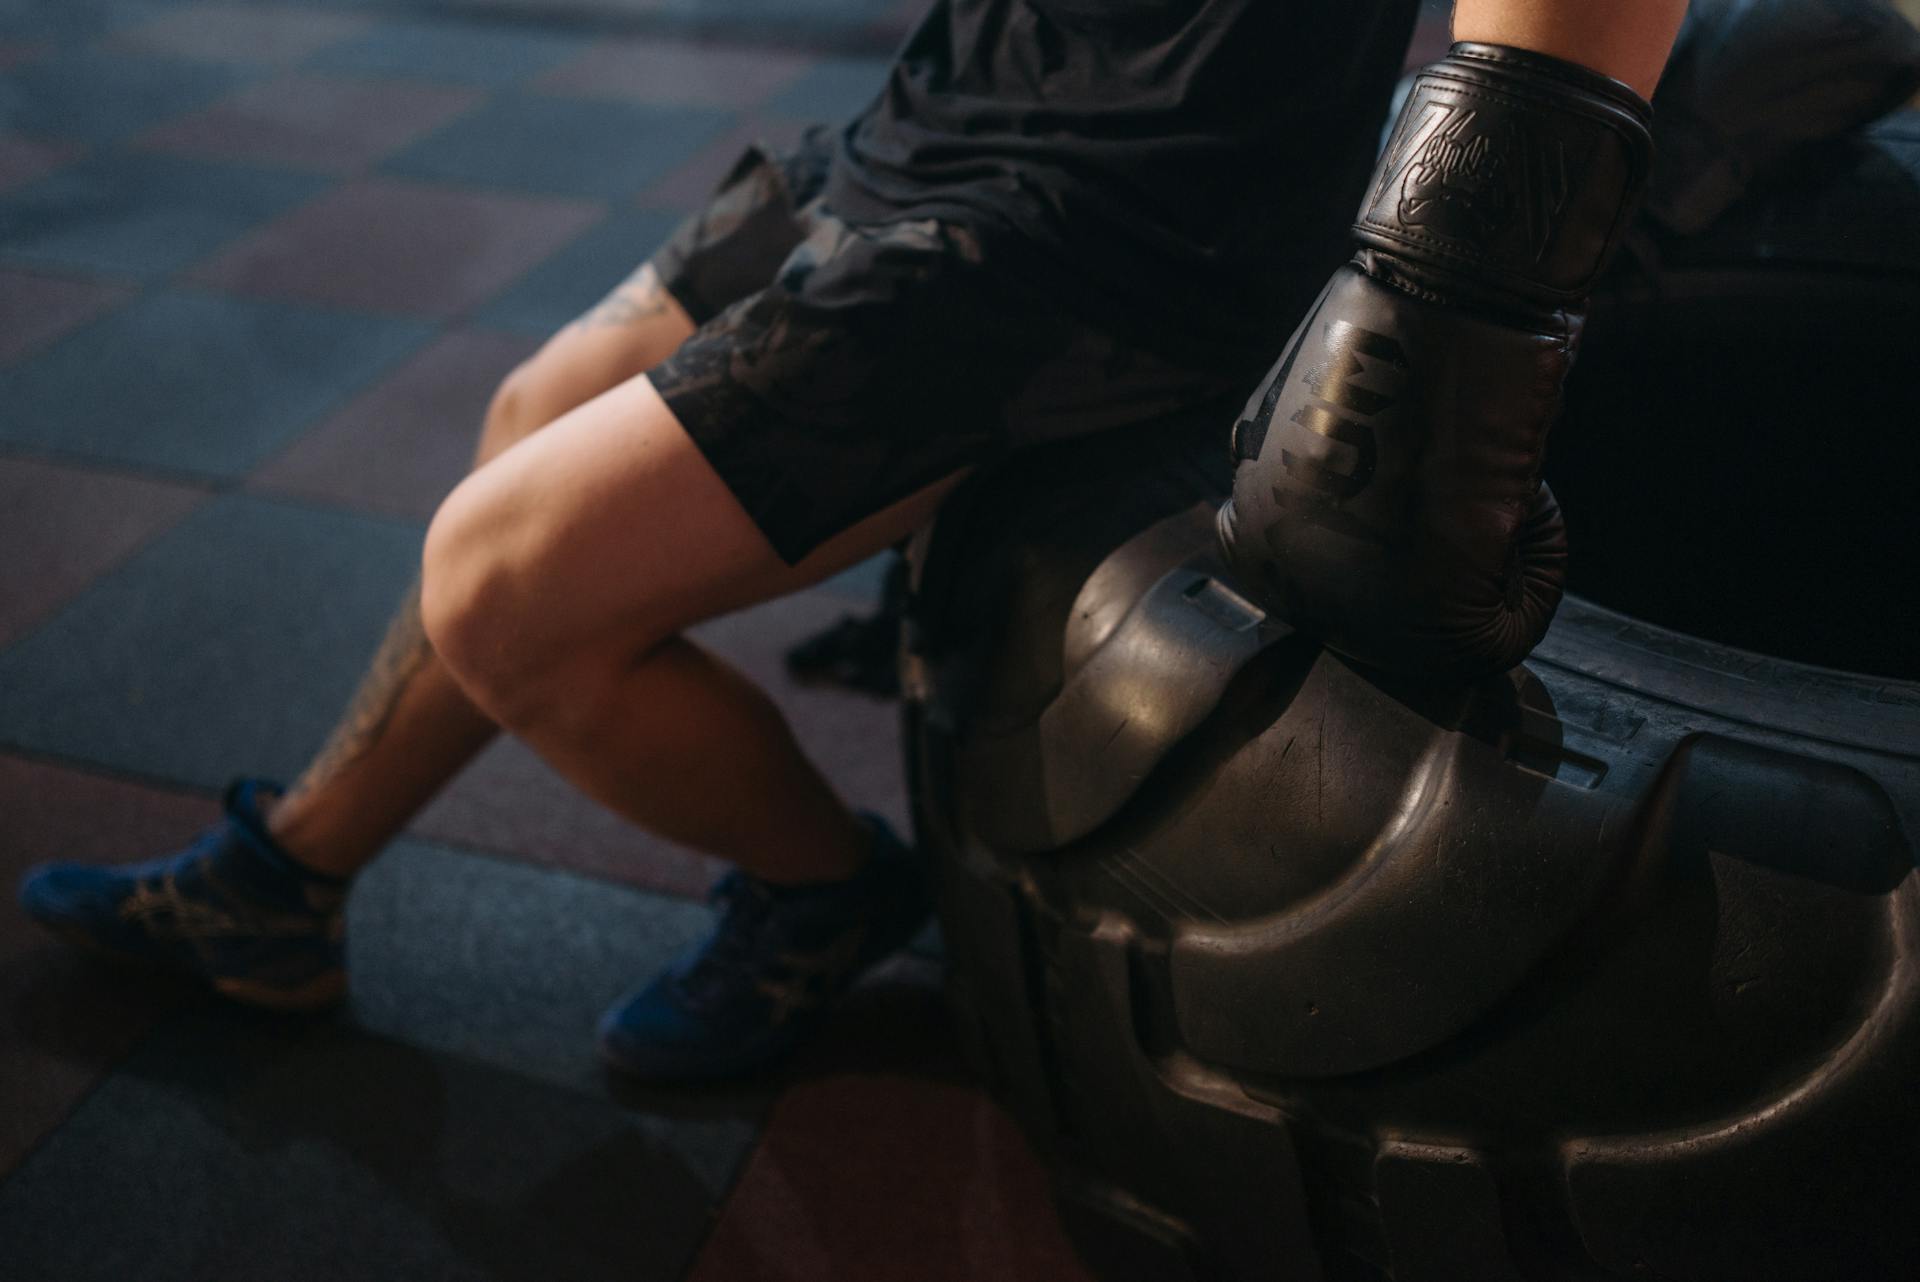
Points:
637	297
401	656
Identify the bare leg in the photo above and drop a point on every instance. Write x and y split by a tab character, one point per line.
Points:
410	727
558	580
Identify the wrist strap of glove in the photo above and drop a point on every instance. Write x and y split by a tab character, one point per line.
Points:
1511	169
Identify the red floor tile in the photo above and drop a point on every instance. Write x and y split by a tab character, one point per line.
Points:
35	310
247	34
400	446
893	1170
24	159
62	527
16	53
675	73
893	26
312	122
688	186
391	246
66	1017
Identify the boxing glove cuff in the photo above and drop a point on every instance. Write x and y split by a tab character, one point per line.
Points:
1508	172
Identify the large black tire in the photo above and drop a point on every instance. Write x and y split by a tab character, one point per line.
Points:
1607	968
1740	452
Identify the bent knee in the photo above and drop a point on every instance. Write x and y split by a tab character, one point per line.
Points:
469	595
526	400
576	365
498	615
561	376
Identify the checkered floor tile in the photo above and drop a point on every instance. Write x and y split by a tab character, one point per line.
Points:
409	248
128	214
187	381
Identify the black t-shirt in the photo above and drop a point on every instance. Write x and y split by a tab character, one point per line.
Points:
1182	171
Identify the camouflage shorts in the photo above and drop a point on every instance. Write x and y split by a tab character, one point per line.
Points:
839	368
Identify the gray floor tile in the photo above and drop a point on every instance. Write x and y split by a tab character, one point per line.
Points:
194	383
71	21
893	20
303	121
35	310
98	96
24	159
227	646
567	284
534	143
676	72
248	34
500	962
494	55
400	446
833	90
827	22
140	215
390	246
861	584
61	527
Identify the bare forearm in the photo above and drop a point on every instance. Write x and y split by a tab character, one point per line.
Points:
1626	39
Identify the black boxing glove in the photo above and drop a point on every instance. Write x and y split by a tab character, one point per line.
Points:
1387	491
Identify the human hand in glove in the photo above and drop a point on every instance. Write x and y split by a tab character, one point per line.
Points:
1387	492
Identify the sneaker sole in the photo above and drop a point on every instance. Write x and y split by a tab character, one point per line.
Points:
322	992
317	994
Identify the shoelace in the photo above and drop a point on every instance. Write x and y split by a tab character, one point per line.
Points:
745	910
191	901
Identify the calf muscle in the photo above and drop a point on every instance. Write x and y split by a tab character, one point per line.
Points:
410	727
402	654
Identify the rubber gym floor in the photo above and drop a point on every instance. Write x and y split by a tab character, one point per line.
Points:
260	267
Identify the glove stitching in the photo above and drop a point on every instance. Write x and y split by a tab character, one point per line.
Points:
1476	92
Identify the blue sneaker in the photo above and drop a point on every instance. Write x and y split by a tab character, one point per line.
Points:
232	908
753	989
